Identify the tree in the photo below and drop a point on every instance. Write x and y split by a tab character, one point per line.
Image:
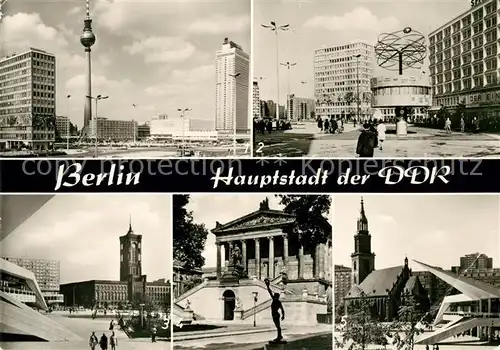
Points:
359	329
311	213
349	97
410	322
188	237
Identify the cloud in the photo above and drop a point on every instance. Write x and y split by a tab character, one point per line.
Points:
74	11
358	19
99	81
161	49
220	24
200	73
385	218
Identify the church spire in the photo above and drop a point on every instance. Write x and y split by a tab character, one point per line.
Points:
130	224
363	220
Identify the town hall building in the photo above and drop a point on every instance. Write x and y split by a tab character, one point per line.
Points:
385	288
131	288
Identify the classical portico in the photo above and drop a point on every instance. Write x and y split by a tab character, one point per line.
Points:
269	247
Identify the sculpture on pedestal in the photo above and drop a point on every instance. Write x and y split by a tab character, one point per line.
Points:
276	306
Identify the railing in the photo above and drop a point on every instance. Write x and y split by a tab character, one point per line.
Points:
473	314
11	290
256	309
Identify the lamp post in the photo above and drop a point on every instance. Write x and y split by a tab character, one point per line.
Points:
357	86
255	294
96	99
142	315
276	29
133	123
235	76
68	122
183	111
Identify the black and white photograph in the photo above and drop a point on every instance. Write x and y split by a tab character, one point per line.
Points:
252	272
125	79
417	272
376	79
85	272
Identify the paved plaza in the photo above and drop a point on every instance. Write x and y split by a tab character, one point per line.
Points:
305	141
83	327
317	337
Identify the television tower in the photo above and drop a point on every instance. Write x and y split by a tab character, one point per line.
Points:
87	39
2	2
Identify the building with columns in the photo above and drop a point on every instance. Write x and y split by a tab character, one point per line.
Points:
266	247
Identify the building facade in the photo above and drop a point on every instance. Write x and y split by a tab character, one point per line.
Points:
131	288
256	99
113	130
464	61
47	274
342	283
143	131
299	108
28	100
338	74
232	70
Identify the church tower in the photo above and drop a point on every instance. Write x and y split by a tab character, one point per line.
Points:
130	255
363	260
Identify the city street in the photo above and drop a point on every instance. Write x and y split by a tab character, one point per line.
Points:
306	141
84	327
318	337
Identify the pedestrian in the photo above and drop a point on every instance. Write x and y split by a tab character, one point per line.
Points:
367	141
111	325
113	341
381	130
153	334
326	125
476	125
320	124
462	124
103	343
447	126
93	341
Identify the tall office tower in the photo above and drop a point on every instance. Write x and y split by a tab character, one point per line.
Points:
336	72
27	100
256	100
464	61
232	70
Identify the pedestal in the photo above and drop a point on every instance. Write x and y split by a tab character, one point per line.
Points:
232	275
401	128
238	314
276	345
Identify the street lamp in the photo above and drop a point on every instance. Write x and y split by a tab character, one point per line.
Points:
183	110
255	294
142	315
276	28
96	99
235	76
67	123
357	86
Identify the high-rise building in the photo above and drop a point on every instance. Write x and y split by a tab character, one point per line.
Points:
232	70
475	261
256	100
339	74
47	274
342	283
299	108
28	100
464	61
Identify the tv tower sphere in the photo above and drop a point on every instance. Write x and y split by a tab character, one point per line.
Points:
87	38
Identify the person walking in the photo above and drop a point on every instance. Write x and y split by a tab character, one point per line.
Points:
111	325
113	341
462	124
367	141
153	334
103	343
447	126
93	341
381	130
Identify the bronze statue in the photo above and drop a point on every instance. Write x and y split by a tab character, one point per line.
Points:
236	255
276	306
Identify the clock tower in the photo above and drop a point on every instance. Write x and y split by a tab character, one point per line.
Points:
363	260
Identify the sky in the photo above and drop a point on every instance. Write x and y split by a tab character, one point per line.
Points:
317	23
158	55
82	232
207	209
434	229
